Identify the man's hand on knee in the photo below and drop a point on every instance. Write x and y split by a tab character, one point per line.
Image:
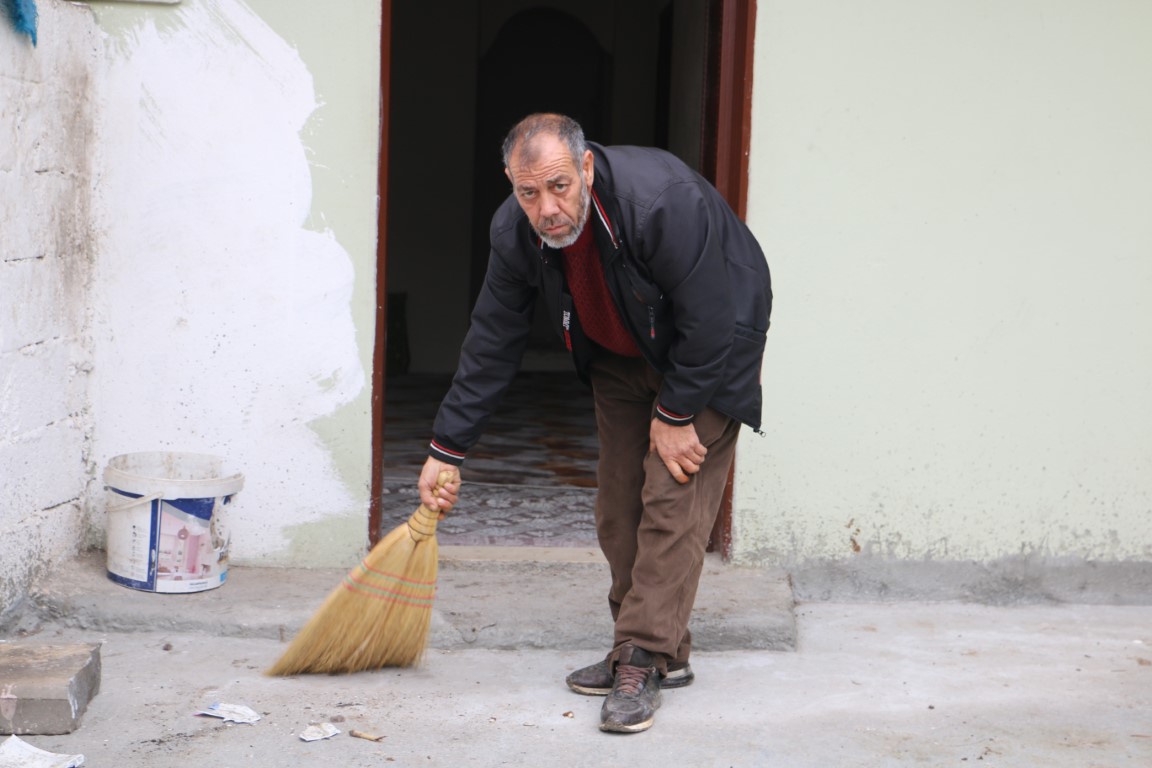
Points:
678	447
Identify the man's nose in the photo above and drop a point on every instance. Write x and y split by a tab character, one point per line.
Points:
549	205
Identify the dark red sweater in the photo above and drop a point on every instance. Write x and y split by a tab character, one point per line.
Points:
598	316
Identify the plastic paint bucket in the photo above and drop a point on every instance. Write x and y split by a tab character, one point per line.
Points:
165	526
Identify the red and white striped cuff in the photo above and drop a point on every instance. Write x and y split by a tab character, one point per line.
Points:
675	419
446	455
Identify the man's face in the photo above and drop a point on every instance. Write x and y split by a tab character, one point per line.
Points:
553	192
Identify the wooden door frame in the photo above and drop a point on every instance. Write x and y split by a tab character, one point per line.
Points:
380	346
727	134
727	138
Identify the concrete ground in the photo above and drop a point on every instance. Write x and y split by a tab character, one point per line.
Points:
817	684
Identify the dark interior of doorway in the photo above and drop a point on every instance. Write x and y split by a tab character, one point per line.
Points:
530	481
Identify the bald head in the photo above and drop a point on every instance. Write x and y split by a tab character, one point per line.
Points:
522	139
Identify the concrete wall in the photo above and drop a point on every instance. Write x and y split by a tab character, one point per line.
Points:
234	291
46	254
955	200
953	196
189	267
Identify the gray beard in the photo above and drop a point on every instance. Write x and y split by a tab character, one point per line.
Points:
564	242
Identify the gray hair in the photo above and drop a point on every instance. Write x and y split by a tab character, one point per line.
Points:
542	123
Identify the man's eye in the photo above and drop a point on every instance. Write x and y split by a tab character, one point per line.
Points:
560	187
527	193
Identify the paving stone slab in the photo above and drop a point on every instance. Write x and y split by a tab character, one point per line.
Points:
45	689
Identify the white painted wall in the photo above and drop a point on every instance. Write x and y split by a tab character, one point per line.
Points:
955	199
223	300
45	268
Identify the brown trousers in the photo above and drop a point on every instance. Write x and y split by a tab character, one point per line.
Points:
652	530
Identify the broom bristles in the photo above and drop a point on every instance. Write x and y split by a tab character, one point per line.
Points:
380	614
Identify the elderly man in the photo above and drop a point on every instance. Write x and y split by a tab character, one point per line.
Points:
663	297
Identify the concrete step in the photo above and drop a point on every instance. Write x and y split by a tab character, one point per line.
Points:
487	597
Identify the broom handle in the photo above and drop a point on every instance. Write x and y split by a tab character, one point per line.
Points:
422	524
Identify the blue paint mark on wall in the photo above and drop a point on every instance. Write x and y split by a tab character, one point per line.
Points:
23	16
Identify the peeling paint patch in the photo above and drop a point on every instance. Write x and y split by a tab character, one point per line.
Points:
222	325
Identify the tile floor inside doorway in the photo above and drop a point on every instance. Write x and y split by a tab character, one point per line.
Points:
531	479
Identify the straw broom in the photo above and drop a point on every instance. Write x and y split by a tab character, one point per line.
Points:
380	614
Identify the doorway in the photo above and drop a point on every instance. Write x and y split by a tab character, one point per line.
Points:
670	73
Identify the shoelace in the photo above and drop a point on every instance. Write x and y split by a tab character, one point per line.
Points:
629	679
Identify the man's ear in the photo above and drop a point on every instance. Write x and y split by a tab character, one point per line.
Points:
588	168
508	173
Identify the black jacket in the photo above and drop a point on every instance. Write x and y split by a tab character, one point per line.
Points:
689	279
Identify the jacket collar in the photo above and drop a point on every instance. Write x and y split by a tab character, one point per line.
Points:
607	236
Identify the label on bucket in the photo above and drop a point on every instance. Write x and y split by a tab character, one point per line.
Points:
166	545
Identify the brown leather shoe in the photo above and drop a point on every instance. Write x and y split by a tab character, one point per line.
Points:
631	705
597	679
